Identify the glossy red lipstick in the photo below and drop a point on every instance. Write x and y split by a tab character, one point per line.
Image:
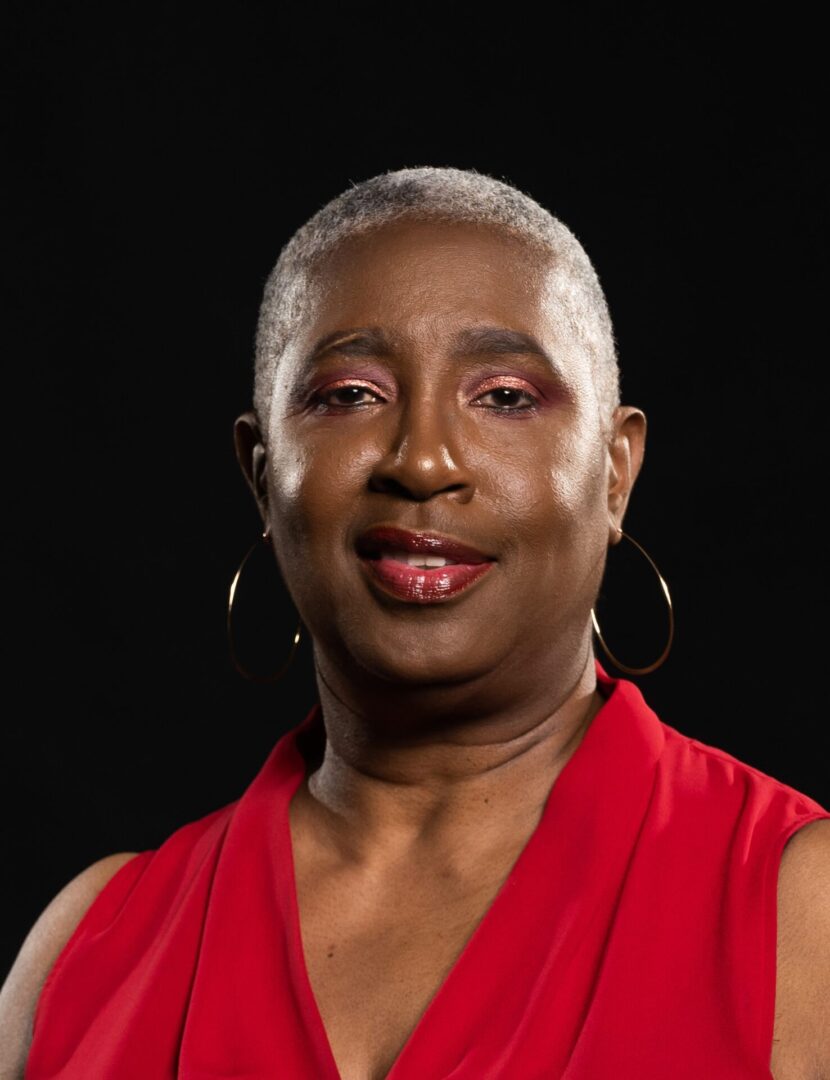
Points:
383	550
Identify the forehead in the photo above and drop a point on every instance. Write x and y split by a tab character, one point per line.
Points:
416	275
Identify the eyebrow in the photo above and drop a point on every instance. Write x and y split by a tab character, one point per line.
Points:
359	341
488	340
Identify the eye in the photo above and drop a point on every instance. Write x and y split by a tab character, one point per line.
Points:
346	396
508	399
342	396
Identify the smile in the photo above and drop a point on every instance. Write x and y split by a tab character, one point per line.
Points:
422	579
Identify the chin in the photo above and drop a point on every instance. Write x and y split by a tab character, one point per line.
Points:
433	667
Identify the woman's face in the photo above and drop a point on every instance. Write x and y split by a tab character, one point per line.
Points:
434	387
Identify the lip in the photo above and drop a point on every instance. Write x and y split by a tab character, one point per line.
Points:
375	540
416	584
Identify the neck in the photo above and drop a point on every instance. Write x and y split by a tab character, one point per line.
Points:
406	775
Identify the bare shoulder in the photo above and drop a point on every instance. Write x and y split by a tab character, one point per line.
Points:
801	1040
39	951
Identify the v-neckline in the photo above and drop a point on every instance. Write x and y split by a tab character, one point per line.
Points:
496	913
311	1007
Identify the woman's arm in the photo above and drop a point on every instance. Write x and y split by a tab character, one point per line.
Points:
39	951
801	1045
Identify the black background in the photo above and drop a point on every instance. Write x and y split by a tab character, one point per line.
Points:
161	157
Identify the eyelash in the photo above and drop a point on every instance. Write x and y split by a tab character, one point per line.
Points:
319	398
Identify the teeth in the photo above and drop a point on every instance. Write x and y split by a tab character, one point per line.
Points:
413	558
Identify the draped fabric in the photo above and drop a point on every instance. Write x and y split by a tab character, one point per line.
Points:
635	936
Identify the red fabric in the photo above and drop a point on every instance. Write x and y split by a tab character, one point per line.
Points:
635	936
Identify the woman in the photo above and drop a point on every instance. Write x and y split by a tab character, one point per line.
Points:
478	855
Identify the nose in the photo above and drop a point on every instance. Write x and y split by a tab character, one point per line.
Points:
424	457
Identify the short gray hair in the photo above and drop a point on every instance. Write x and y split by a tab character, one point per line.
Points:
461	195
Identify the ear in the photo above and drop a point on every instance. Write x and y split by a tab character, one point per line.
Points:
625	451
250	453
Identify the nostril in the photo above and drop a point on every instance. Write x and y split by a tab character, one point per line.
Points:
389	485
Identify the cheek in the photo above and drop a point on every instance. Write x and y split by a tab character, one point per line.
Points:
551	492
287	468
576	477
312	483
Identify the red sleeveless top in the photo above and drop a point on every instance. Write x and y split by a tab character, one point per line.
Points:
635	935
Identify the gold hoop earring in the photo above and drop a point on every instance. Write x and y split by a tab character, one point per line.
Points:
231	592
665	652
